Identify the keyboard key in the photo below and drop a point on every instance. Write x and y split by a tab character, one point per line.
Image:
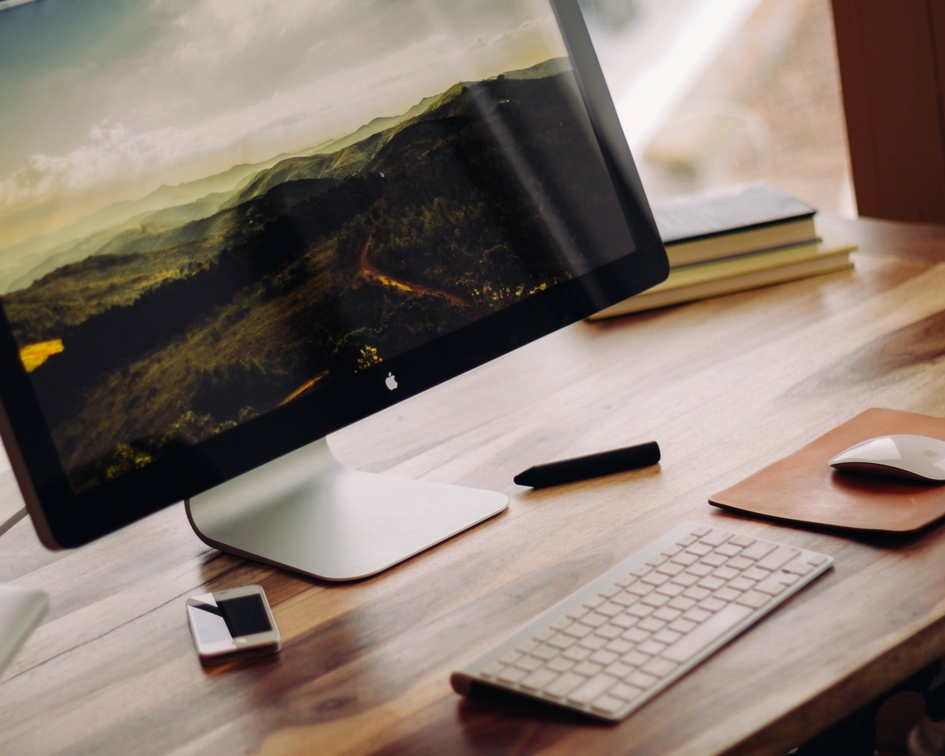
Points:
492	670
619	646
618	670
564	685
666	614
725	573
671	551
667	636
640	610
670	589
715	538
560	665
545	635
561	624
511	675
593	688
588	668
624	691
640	589
608	704
530	663
700	570
610	592
510	657
610	609
527	647
655	600
697	593
771	587
758	550
685	559
739	563
655	579
609	632
706	633
713	560
686	579
624	621
641	680
656	561
712	604
701	530
670	569
697	615
728	549
728	595
539	679
635	659
659	667
682	603
754	599
709	583
546	652
799	567
651	647
575	653
594	602
778	558
593	642
741	584
651	625
699	549
594	619
636	635
603	657
625	599
682	625
741	541
562	641
754	574
579	612
579	630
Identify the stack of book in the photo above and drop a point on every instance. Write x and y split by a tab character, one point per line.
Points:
739	238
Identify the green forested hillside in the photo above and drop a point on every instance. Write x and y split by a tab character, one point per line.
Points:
327	265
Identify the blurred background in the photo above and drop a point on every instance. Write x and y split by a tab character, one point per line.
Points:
716	92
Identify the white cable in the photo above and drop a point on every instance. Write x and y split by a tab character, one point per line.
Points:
12	521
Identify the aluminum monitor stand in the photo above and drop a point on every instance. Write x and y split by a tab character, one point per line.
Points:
306	512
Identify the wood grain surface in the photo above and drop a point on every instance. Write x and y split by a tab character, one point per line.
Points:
725	386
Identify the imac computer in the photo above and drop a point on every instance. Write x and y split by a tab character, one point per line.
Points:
227	230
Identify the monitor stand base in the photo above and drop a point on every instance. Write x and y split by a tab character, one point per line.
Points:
307	513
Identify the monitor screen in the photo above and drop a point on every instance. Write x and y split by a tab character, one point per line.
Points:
228	229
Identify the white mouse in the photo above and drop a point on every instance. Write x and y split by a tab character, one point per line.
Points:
902	456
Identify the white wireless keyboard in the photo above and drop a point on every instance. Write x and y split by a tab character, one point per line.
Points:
621	639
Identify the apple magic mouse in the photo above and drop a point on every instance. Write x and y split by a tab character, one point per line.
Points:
902	456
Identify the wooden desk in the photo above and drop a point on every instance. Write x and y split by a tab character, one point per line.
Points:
726	386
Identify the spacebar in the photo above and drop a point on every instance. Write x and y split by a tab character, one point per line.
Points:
709	631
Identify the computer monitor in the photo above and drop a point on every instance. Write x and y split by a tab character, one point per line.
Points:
227	230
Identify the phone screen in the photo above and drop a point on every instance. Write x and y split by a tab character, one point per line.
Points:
230	618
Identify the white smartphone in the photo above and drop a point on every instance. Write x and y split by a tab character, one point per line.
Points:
232	624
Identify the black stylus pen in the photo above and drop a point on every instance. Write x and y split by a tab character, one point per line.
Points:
591	466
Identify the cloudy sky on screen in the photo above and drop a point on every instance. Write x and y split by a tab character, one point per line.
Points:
103	100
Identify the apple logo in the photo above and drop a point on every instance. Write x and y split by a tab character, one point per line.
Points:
390	381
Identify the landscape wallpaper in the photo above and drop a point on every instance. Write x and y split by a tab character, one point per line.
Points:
209	208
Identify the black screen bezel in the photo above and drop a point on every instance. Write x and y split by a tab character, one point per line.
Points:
64	519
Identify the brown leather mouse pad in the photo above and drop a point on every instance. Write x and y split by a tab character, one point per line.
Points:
804	488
